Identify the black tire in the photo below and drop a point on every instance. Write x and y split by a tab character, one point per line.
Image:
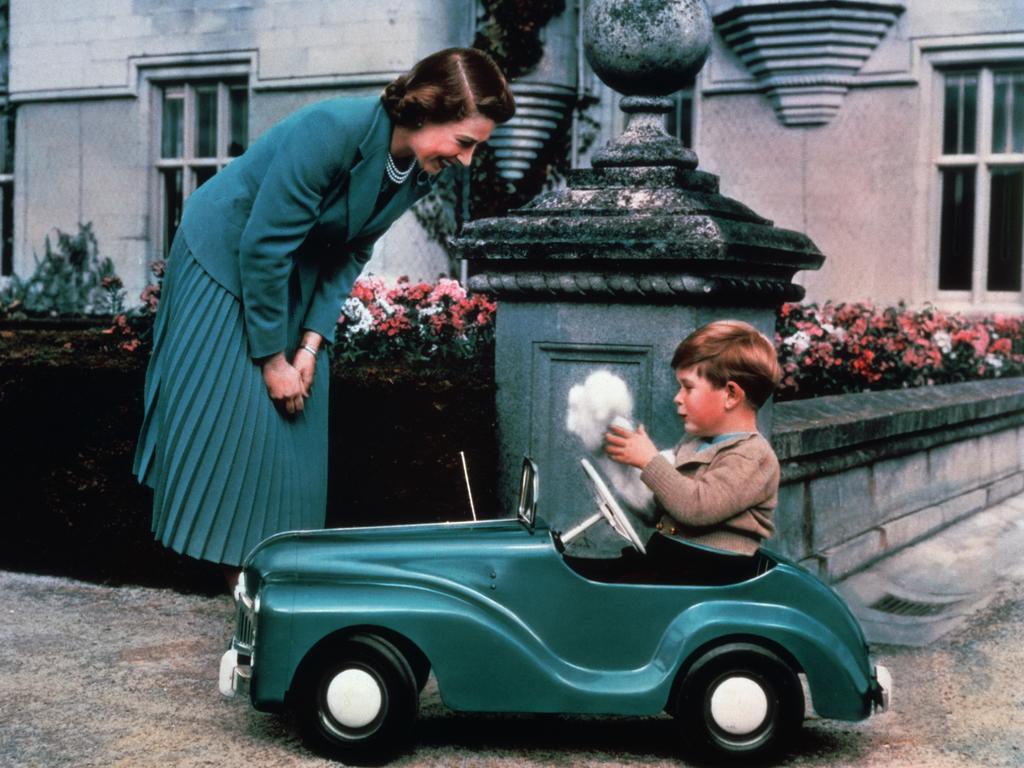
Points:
336	722
420	670
740	702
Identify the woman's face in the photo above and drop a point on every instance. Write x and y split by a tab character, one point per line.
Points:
438	145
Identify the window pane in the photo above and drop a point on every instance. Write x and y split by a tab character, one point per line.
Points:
1004	233
172	205
202	175
970	115
7	141
171	136
239	121
680	119
1008	112
1000	112
956	239
206	122
959	114
1017	123
7	228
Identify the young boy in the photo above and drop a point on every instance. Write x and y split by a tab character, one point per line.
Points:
724	484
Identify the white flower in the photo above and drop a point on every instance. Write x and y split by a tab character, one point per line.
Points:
799	341
994	360
430	309
359	317
943	341
388	308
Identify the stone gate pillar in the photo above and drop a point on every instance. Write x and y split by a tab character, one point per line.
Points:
614	270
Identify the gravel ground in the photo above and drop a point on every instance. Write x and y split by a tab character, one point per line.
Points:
100	676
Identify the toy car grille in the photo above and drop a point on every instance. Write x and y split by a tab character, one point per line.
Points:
245	629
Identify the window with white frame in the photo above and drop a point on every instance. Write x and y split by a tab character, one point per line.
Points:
981	183
203	125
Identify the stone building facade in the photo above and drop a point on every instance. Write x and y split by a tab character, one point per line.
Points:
124	106
890	131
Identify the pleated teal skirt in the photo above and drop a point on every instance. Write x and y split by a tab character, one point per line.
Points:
227	468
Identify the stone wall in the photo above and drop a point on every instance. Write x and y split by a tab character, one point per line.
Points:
57	46
864	475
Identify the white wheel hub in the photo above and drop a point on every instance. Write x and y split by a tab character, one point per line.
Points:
354	698
739	705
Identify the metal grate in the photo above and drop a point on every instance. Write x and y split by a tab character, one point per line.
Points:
903	607
245	629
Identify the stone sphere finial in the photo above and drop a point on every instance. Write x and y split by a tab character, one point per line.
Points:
646	50
646	47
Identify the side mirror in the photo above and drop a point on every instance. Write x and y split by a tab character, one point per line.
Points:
528	492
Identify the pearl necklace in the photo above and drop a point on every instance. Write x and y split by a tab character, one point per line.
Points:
397	176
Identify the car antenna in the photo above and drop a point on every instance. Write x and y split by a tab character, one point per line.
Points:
469	491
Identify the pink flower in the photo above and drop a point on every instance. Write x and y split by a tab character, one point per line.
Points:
151	296
447	288
1001	347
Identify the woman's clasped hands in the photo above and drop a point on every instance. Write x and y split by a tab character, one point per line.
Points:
289	384
284	384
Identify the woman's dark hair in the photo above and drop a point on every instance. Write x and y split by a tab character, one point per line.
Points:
448	86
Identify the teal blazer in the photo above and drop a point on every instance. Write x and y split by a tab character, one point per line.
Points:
287	226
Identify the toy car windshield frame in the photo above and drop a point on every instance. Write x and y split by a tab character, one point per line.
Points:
529	486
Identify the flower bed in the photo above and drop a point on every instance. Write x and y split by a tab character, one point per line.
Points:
414	321
824	349
407	322
853	347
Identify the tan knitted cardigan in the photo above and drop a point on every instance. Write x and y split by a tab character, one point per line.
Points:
723	496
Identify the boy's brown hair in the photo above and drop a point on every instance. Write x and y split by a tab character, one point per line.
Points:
731	350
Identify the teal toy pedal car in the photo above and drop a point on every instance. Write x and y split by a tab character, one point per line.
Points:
344	626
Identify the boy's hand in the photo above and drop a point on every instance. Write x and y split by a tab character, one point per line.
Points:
632	448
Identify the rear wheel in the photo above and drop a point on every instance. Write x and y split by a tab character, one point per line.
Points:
740	701
358	700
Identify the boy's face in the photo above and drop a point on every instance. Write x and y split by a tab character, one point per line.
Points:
700	404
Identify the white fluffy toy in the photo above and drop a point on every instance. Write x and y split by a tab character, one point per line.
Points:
604	398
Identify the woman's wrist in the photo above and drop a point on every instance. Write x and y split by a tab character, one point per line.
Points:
274	361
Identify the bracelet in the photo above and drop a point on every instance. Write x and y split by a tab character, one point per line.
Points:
310	349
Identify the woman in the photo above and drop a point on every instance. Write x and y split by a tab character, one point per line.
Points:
234	438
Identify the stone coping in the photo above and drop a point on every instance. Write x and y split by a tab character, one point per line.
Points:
893	422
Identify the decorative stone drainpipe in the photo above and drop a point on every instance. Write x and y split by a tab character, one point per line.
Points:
806	54
613	271
545	99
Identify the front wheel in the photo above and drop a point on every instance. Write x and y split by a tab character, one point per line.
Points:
740	702
358	701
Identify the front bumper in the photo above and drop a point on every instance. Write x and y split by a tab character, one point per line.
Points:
235	674
236	663
882	688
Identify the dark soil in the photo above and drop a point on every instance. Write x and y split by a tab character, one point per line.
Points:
70	410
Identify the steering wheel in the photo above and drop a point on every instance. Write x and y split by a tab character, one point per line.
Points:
610	509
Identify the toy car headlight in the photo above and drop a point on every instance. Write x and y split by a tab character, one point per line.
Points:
256	604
